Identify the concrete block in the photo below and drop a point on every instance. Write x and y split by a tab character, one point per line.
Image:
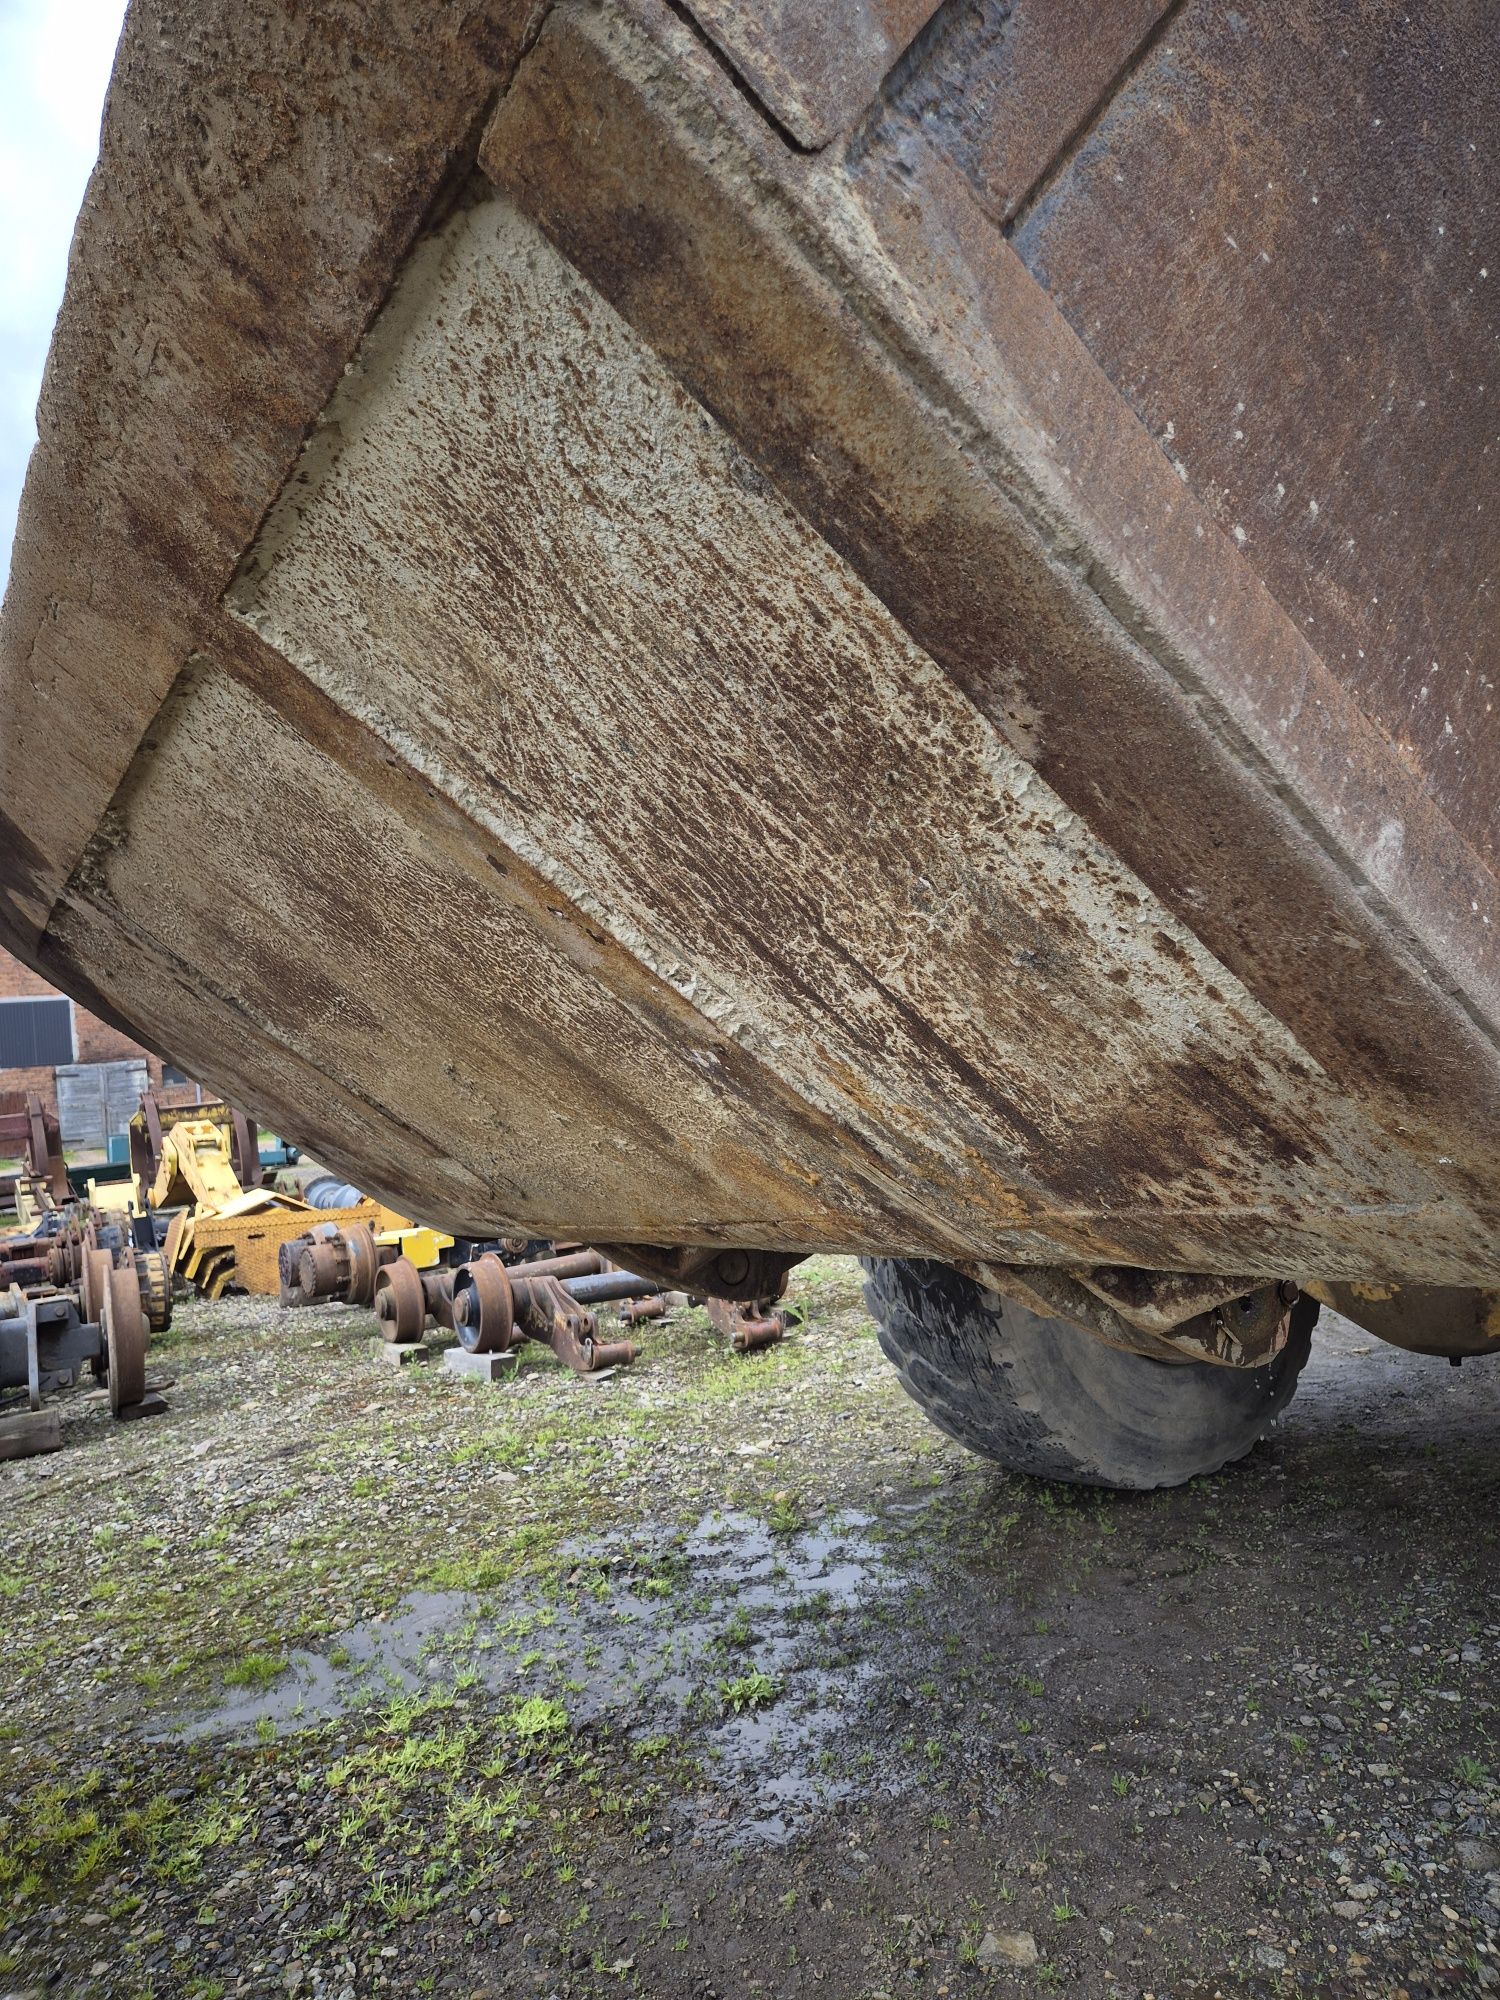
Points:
401	1353
478	1367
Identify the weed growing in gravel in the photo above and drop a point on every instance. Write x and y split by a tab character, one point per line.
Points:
752	1690
738	1632
255	1670
537	1718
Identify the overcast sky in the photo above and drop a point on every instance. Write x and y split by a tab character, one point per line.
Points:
55	58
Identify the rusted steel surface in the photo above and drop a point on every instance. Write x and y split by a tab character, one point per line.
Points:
23	1271
814	68
962	984
400	1300
748	1325
988	836
1012	83
1280	242
1429	1319
33	1136
494	1309
335	1264
1200	806
258	184
739	1275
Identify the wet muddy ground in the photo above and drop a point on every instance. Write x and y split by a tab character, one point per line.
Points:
725	1676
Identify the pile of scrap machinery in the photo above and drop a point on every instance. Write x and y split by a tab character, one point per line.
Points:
78	1286
203	1167
86	1278
311	1237
494	1297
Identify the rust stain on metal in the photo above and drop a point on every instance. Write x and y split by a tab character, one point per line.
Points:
245	161
1303	308
991	829
814	68
404	1086
962	973
1011	83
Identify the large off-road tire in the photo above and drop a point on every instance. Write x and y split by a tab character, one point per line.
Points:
1043	1397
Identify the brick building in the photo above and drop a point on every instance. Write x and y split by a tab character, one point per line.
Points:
85	1070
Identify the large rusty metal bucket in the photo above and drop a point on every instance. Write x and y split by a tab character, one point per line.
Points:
706	632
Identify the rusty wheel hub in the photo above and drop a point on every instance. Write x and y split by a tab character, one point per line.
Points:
483	1309
400	1302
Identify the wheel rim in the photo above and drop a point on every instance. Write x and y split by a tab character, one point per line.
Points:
97	1266
400	1304
483	1310
156	1289
364	1274
125	1335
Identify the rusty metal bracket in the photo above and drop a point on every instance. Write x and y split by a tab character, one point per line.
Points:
742	1275
1166	1315
747	1326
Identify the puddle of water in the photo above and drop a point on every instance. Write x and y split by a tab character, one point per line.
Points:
682	1617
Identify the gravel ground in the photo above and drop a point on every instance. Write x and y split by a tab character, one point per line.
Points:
726	1676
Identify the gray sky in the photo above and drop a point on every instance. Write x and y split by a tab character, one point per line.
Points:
55	58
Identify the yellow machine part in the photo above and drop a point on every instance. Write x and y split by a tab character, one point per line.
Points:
419	1245
239	1246
195	1171
112	1194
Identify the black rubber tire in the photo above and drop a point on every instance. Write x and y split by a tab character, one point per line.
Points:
1043	1397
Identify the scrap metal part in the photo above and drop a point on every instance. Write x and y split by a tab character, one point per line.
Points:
27	1260
400	1300
33	1135
748	1326
736	1274
1166	1315
1096	866
339	1264
494	1308
1244	1322
155	1282
47	1335
235	1156
125	1335
44	1340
